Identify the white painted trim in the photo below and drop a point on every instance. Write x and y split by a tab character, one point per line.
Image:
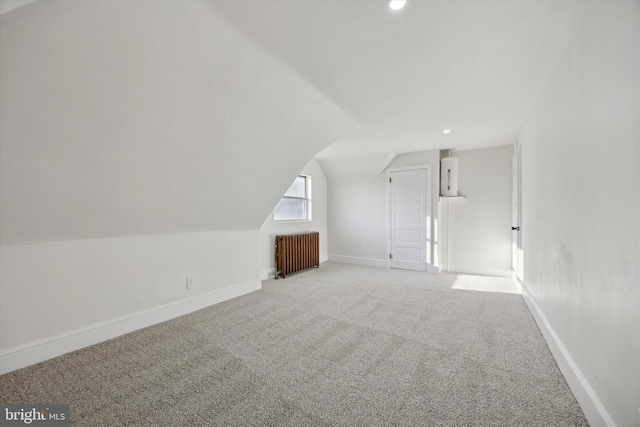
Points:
461	199
388	217
268	273
41	350
433	269
587	398
429	244
369	262
409	168
498	272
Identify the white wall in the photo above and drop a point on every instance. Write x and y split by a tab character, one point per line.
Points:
356	216
60	296
141	143
358	191
271	228
480	225
581	211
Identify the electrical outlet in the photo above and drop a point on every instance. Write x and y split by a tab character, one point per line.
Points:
189	283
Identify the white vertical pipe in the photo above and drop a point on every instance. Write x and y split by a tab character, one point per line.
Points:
448	235
449	177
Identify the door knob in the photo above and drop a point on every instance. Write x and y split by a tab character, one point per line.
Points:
515	228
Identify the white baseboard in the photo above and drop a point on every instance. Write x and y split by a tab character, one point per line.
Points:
41	350
369	262
433	268
587	398
268	273
498	272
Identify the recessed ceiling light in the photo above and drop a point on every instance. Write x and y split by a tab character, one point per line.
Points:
446	131
397	4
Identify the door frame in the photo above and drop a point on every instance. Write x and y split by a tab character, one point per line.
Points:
431	235
517	258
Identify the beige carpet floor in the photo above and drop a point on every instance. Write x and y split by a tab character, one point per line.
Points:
336	346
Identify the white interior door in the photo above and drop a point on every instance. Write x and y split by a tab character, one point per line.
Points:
409	219
516	212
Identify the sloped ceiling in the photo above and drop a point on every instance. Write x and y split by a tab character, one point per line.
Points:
121	118
475	67
130	117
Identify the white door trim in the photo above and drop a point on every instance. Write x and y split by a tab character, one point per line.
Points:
516	216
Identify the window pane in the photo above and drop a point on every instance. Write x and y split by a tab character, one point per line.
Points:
288	209
298	188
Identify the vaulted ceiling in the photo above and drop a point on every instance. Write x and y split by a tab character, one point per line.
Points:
475	67
143	117
131	117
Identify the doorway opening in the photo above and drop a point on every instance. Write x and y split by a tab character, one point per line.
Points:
516	217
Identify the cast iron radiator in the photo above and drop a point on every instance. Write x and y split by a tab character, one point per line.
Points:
295	252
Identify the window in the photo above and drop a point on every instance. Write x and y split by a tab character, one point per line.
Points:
295	205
